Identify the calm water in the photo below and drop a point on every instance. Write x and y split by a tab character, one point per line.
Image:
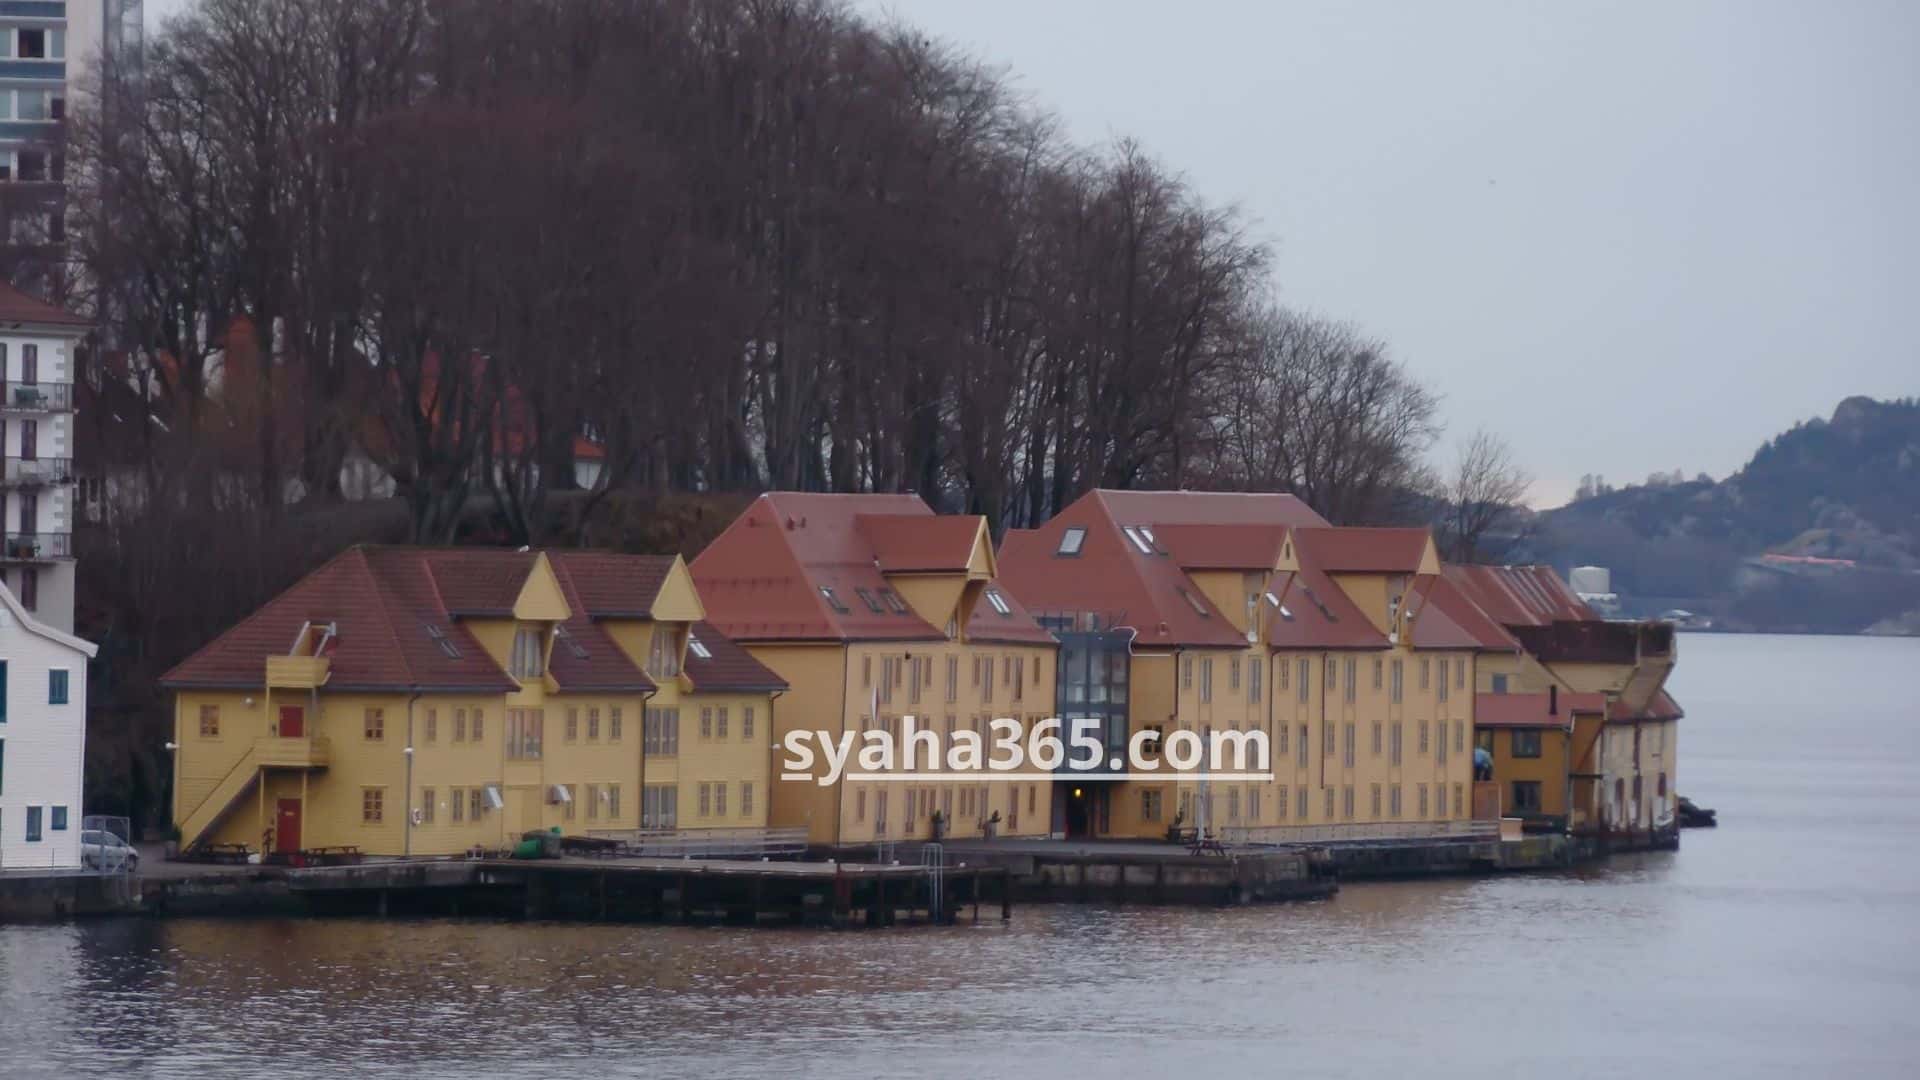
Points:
1786	942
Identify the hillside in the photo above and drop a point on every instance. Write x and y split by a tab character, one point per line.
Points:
1743	549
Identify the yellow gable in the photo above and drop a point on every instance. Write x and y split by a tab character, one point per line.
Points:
678	600
980	561
540	598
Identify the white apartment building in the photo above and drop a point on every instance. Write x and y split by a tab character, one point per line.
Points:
43	739
38	349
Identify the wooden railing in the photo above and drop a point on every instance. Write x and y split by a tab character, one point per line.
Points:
705	843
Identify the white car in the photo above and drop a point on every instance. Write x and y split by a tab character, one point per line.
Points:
101	850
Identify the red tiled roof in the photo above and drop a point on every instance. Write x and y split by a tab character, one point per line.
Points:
1662	707
1016	627
905	543
1316	613
761	578
611	585
1520	595
17	306
1351	550
1442	617
1146	591
384	599
1221	547
729	668
1531	710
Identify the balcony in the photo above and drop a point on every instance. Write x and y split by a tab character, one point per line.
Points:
298	752
37	397
36	547
35	472
297	672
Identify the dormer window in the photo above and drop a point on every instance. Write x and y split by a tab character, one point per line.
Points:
826	593
1140	538
663	656
867	598
1071	541
999	602
529	658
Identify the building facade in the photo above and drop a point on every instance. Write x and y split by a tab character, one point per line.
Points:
1212	612
1607	681
39	352
874	610
43	734
429	701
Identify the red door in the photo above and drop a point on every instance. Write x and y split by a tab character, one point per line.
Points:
293	721
286	831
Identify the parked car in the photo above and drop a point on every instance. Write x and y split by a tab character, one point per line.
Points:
101	850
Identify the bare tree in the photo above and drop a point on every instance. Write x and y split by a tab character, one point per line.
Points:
1482	501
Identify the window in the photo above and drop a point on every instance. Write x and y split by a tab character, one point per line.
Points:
1526	743
1460	674
1423	738
479	724
999	602
209	721
1286	670
1352	679
1326	738
1426	673
860	805
574	648
29	587
433	724
894	603
1459	800
866	597
529	658
1194	602
32	44
1328	800
1150	799
1233	673
525	728
459	725
1394	744
1393	800
1420	798
593	723
1140	542
1442	687
661	731
445	643
1346	802
612	795
1378	666
457	803
1071	541
1186	673
746	722
1499	684
1206	679
1375	801
720	800
1306	671
720	722
659	806
571	803
1526	795
373	803
426	806
33	824
746	799
1395	690
616	726
698	648
573	723
1350	740
1253	680
1378	738
593	801
1302	803
826	593
59	819
706	721
374	725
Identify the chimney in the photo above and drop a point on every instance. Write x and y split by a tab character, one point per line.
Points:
1553	700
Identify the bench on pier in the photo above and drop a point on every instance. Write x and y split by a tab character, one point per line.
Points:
333	855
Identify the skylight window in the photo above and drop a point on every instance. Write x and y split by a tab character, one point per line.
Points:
1195	602
1136	534
999	602
698	648
893	600
826	592
1272	599
866	598
441	639
1147	531
572	643
1072	540
1286	612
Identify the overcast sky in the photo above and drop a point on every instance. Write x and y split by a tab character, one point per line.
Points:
1627	237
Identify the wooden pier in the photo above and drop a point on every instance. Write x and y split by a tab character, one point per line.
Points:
736	892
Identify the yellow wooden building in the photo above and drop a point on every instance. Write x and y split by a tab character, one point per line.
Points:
1214	612
873	609
1592	694
429	701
